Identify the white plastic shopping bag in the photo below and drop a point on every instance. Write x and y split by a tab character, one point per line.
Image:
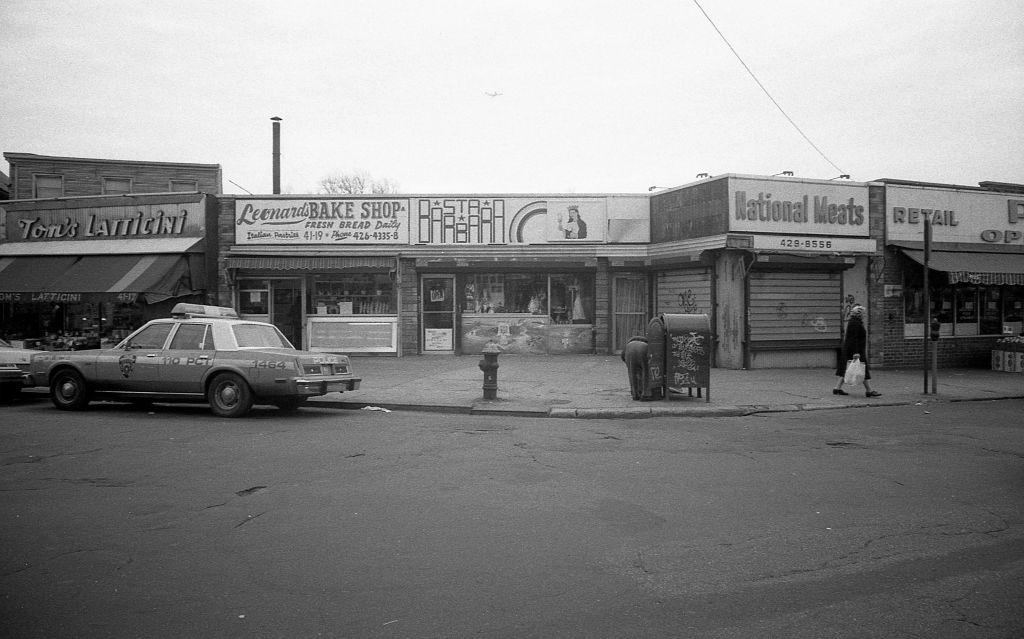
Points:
854	371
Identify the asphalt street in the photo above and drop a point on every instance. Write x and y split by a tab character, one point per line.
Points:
124	522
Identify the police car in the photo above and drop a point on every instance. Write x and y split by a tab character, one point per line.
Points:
201	353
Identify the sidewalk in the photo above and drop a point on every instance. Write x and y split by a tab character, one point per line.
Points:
595	386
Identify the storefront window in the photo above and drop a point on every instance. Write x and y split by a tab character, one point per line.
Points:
991	307
913	304
966	310
564	298
942	305
572	300
1013	309
253	297
67	326
355	294
506	293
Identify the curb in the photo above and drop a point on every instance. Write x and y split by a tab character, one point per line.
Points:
490	409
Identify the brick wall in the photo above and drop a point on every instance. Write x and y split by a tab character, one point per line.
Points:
409	296
602	308
878	312
225	240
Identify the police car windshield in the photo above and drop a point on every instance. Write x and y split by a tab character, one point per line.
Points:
259	336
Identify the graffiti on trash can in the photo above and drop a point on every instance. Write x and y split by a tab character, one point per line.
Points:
686	349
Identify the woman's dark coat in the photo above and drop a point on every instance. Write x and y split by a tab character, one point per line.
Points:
855	342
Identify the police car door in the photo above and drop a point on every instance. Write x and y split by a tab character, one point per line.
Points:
187	358
134	368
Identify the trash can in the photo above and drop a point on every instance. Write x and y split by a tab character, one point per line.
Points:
679	348
656	358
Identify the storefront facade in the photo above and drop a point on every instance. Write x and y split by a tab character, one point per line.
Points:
84	271
976	275
437	274
775	262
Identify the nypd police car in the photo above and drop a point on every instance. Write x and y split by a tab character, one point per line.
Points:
201	353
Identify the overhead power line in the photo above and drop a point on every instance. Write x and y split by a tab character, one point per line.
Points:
774	101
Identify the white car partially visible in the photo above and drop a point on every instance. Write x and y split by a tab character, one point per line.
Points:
14	369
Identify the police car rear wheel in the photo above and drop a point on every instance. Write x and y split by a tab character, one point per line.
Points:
229	396
68	390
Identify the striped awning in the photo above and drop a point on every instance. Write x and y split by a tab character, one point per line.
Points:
310	262
24	274
101	277
974	268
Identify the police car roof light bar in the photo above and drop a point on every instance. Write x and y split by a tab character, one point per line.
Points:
186	310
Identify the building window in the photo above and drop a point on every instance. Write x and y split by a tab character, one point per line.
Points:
354	294
962	310
565	298
990	308
48	186
116	185
184	185
253	297
1013	309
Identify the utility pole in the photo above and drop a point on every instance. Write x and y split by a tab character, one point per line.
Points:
925	335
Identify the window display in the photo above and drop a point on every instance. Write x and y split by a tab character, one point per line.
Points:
355	294
565	298
990	299
963	310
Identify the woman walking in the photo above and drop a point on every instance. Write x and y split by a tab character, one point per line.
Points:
855	342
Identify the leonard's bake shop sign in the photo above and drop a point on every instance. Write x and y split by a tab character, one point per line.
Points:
455	220
322	221
955	216
812	208
104	223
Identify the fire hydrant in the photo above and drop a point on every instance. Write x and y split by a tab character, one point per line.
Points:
489	365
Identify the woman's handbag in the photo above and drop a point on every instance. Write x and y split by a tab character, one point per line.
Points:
854	371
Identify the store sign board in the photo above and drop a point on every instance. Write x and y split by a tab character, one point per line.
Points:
333	221
58	297
481	220
439	220
185	219
816	244
798	208
955	216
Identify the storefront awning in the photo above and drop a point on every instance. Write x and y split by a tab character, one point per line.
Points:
310	262
99	277
974	268
25	274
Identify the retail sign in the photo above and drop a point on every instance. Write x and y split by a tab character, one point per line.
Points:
185	219
798	208
57	297
333	221
439	220
955	215
482	220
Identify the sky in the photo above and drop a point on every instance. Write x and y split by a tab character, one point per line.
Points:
595	96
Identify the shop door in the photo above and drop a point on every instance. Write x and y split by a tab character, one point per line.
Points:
630	308
286	310
437	316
